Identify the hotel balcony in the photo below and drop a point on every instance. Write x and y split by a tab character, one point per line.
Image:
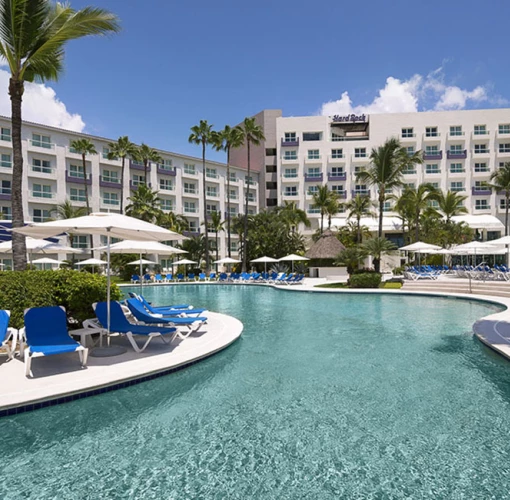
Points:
166	171
290	143
481	152
134	185
78	180
456	155
359	158
47	147
313	177
191	234
5	195
361	192
289	161
138	166
433	156
316	159
408	137
337	177
109	183
336	159
457	136
481	191
342	195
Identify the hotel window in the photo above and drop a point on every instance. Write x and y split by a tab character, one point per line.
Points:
387	207
359	168
432	168
481	149
76	171
456	168
337	171
313	154
211	173
290	191
111	199
189	168
192	225
314	209
501	164
480	130
41	141
456	130
40	215
337	153
233	194
482	204
456	186
190	188
166	184
290	173
504	128
5	161
481	167
360	152
433	203
502	203
111	176
249	180
190	207
270	151
435	185
312	190
456	149
41	191
271	169
233	211
290	155
431	150
312	136
5	134
43	166
337	137
504	148
290	137
251	211
77	194
233	246
166	204
431	132
233	177
166	165
212	191
409	170
314	172
5	187
410	150
81	241
251	196
138	179
361	189
211	208
6	212
409	185
106	154
407	132
338	189
481	185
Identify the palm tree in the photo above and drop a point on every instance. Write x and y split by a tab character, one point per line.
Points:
359	207
292	216
225	140
501	182
377	247
201	134
332	207
322	200
84	147
385	170
122	149
174	222
350	257
451	204
216	225
33	36
253	134
195	247
144	204
146	154
67	210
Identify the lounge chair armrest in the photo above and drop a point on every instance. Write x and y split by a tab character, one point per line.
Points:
92	323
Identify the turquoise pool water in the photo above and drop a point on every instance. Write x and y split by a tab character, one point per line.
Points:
324	397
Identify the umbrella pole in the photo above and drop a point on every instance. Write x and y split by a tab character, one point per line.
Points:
141	275
108	281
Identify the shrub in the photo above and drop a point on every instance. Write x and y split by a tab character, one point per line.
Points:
74	290
365	280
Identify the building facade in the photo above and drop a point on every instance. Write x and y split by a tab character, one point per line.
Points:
53	172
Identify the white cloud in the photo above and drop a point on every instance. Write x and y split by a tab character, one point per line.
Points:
40	105
417	93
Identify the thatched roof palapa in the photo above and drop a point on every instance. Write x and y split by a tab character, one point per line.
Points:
326	247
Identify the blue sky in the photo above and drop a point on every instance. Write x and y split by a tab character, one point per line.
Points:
176	62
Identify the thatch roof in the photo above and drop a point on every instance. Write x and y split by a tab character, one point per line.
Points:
326	247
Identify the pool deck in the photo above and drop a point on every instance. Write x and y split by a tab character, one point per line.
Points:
60	378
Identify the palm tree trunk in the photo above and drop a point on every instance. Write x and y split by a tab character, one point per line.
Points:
358	236
19	249
145	164
122	185
417	226
91	238
206	236
228	200
322	221
506	211
245	233
381	210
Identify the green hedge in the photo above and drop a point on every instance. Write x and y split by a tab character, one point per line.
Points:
74	290
365	280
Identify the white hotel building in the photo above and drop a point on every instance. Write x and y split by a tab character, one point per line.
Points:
461	149
54	173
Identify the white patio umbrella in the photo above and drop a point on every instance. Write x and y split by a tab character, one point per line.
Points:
141	262
46	260
184	262
264	260
505	240
292	258
92	262
106	224
39	246
474	248
420	247
227	261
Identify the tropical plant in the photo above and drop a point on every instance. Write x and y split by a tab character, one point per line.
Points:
350	257
360	206
67	210
175	222
292	216
501	182
146	154
225	140
385	171
201	134
144	204
33	36
84	147
377	247
216	225
323	199
195	247
122	149
451	204
253	134
332	207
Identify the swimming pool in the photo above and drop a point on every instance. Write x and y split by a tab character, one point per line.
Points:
325	396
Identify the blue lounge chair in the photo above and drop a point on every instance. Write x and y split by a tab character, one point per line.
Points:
8	336
180	277
223	277
147	278
120	324
141	314
212	276
144	301
168	277
158	278
201	277
169	311
191	276
135	278
46	334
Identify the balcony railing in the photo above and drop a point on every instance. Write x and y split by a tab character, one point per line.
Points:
138	166
190	210
78	180
5	196
337	177
166	170
361	192
290	143
191	234
111	201
313	177
480	191
433	155
481	151
42	144
134	185
290	193
166	187
342	195
42	170
109	183
42	194
456	155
